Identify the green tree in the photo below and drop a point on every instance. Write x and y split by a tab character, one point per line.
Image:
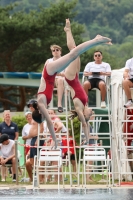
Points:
25	40
108	17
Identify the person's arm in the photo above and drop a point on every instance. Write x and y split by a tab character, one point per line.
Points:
3	161
105	73
59	126
127	70
126	74
0	128
16	136
24	136
16	132
87	73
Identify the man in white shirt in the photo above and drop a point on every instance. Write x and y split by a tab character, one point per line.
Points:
96	72
128	81
7	148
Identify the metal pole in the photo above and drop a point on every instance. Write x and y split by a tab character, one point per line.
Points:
16	158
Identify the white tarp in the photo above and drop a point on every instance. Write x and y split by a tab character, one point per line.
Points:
117	116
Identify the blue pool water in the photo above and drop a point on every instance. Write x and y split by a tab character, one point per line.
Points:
65	194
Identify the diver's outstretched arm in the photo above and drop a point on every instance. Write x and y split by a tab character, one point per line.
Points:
45	115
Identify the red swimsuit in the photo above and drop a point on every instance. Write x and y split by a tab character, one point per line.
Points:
79	91
49	81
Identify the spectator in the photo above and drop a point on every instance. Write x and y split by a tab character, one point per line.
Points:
58	125
128	81
96	72
9	127
7	148
25	131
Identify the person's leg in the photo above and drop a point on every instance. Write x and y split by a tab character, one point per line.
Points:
126	86
60	89
14	168
42	105
61	63
41	176
73	162
102	88
87	86
74	165
89	176
70	40
74	67
29	168
3	172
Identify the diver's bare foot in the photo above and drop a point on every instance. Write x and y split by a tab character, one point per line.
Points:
104	39
67	26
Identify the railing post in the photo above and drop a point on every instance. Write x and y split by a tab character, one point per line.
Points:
16	157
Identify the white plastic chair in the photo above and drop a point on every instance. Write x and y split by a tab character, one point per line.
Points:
47	155
95	154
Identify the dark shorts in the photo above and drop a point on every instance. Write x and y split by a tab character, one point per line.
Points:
33	151
72	156
95	82
131	80
9	162
91	141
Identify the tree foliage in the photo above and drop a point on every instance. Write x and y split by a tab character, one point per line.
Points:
113	18
25	40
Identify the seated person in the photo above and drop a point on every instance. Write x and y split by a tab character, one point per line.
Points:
7	148
96	72
128	82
